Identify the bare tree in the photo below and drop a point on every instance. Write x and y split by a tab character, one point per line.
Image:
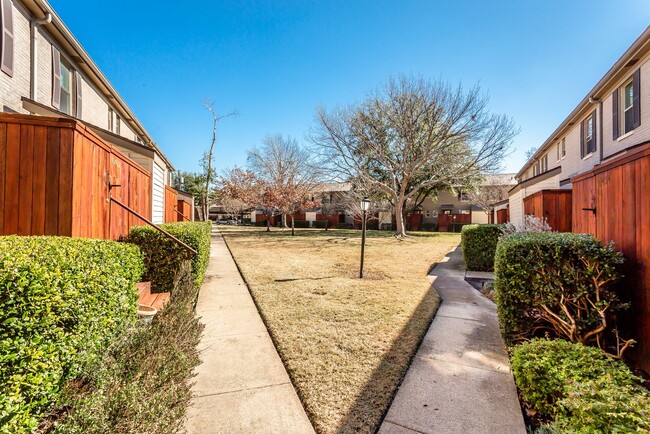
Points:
492	190
209	155
413	129
287	170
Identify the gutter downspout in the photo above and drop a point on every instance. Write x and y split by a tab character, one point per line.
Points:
600	121
47	19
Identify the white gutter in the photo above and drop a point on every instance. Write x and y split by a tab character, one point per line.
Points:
47	19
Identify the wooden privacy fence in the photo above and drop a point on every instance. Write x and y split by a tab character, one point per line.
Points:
184	211
452	222
612	202
503	215
56	177
171	202
554	206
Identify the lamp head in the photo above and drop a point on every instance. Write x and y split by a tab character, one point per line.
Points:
365	204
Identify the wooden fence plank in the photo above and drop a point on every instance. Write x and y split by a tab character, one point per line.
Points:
26	179
52	186
40	180
12	180
3	157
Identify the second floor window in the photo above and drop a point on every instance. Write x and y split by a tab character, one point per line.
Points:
563	148
65	104
626	106
114	122
588	136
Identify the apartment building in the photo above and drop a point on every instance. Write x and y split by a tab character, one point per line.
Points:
592	175
44	71
612	118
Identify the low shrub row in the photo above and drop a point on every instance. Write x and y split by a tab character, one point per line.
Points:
321	224
62	301
580	388
479	243
344	226
163	256
556	284
300	223
142	385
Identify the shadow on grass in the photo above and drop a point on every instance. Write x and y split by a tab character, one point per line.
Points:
247	231
303	278
373	402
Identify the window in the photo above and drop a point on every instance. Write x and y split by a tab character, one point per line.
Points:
536	169
557	151
62	84
588	135
65	102
114	122
462	196
544	164
6	37
626	106
563	148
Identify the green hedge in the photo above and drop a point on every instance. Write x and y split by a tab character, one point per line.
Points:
429	227
300	224
142	385
321	224
479	244
344	226
580	388
163	258
546	278
62	300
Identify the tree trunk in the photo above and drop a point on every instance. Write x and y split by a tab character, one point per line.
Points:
268	222
293	230
400	230
327	223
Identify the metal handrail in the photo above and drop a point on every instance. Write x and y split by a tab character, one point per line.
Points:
181	214
187	248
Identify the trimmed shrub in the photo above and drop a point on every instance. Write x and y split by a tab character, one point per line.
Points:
386	227
320	224
143	383
479	243
163	257
429	227
300	224
580	387
558	284
260	223
62	301
344	226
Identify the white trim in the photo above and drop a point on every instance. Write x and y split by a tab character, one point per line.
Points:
625	136
588	156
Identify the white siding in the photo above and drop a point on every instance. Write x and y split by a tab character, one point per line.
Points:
516	208
158	195
480	217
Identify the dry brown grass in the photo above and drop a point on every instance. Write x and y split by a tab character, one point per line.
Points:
346	342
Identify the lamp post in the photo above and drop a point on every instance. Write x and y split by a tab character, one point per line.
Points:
365	206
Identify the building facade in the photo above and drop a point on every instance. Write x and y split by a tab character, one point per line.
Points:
45	71
592	175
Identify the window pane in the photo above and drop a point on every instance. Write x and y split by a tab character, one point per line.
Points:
629	120
628	96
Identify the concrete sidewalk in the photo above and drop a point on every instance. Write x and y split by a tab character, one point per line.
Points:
460	379
241	384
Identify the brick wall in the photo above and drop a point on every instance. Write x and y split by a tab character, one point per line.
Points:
12	89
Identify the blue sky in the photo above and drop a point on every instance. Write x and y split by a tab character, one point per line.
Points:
275	62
